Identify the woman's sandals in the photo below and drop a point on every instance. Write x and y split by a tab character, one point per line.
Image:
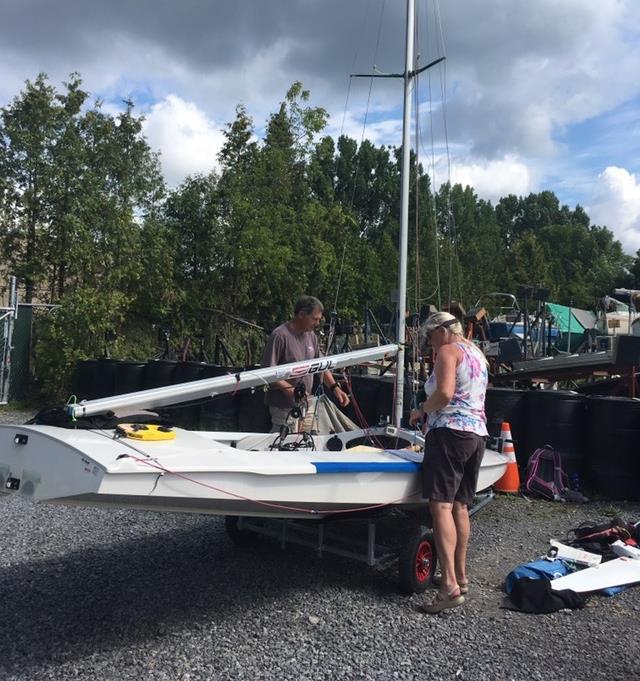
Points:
443	601
464	586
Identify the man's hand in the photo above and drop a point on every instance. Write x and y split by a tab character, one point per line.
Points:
341	396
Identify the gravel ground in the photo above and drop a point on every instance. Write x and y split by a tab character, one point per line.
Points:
112	594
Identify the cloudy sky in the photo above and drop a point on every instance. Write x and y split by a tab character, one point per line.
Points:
537	94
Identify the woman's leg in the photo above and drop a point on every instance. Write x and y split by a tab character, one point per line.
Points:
445	535
463	530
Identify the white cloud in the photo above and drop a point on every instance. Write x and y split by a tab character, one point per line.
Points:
494	179
188	141
616	204
529	71
520	75
385	129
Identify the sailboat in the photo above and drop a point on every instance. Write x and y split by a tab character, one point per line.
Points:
150	466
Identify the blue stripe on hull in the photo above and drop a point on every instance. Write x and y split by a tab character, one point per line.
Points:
366	467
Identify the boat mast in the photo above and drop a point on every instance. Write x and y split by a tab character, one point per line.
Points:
409	76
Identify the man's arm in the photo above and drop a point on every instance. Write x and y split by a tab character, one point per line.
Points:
333	387
270	358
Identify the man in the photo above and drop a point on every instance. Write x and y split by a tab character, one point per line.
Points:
295	341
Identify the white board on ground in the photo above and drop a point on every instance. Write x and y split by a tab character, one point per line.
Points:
564	552
616	572
622	549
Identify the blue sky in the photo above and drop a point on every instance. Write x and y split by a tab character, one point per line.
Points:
539	95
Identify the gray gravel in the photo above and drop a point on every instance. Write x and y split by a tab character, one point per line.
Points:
112	594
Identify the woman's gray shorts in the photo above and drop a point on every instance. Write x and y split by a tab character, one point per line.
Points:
451	465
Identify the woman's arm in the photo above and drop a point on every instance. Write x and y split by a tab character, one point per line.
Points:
445	369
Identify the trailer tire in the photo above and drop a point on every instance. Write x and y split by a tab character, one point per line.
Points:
417	561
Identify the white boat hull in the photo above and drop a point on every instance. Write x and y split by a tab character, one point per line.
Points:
217	473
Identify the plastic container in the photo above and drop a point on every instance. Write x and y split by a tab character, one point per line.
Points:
508	404
220	412
159	372
129	376
557	418
105	378
187	414
613	456
83	380
366	391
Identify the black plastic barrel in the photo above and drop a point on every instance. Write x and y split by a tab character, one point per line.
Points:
557	418
613	456
159	372
508	405
129	376
186	372
364	405
84	378
187	414
253	413
385	407
105	378
220	412
384	400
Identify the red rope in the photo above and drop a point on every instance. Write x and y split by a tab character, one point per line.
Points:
268	504
362	421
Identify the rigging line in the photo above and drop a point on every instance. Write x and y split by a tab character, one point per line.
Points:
426	298
353	64
434	208
451	223
420	144
366	113
344	251
415	349
442	50
415	346
344	115
433	215
416	163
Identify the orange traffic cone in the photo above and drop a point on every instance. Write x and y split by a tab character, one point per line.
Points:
510	481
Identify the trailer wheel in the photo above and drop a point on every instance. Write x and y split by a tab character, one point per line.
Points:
234	531
417	561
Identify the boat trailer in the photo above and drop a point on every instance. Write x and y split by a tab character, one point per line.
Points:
395	536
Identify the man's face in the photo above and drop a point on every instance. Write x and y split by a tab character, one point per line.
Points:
313	320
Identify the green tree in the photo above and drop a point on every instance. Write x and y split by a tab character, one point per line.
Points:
195	231
30	132
77	190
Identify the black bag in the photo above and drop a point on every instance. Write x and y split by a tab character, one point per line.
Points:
597	538
537	596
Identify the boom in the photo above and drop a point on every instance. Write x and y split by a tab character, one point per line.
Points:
210	387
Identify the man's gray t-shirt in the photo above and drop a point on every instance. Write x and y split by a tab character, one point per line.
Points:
285	346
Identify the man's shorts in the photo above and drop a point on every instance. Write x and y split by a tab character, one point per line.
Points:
451	465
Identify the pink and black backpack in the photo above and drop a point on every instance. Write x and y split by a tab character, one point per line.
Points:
544	475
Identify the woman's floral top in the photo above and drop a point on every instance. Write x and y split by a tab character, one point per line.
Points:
466	410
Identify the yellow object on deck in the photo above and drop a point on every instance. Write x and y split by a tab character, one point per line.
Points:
142	431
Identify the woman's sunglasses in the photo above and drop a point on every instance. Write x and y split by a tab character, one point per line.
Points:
444	325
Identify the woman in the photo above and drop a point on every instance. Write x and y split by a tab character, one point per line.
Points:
455	442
